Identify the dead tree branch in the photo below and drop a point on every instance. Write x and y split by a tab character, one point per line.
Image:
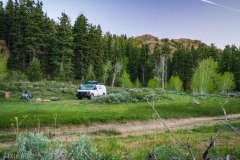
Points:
186	146
227	125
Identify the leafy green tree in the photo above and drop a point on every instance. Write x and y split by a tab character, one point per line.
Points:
34	70
3	68
126	81
154	83
90	73
205	76
175	84
106	68
226	82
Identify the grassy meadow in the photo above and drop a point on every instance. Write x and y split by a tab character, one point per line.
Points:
111	144
70	111
138	146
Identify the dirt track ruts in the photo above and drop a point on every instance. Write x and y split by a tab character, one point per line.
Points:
135	127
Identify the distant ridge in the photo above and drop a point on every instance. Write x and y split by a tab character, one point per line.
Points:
151	41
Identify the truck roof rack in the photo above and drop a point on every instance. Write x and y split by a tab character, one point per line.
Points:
92	82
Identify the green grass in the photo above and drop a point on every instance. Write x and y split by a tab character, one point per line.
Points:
137	147
70	111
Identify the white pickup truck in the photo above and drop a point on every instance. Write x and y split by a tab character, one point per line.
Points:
91	90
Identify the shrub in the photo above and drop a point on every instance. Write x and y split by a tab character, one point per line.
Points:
17	76
129	95
34	146
2	93
38	146
83	150
154	83
165	152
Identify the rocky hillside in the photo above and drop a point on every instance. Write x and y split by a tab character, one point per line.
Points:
151	41
4	50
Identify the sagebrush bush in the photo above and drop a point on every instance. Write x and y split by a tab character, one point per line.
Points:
130	95
165	152
83	149
42	88
34	146
37	146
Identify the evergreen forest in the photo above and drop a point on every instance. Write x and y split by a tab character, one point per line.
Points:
41	48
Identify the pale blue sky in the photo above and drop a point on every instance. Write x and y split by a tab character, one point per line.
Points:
172	19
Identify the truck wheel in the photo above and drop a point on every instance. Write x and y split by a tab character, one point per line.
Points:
91	97
79	97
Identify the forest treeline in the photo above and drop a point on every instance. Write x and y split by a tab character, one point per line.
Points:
42	48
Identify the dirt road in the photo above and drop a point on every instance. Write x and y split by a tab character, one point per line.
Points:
135	127
141	127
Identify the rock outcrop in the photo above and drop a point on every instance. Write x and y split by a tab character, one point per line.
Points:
4	49
151	41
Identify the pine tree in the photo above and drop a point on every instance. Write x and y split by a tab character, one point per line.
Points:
64	46
126	81
230	62
2	21
137	84
145	72
9	14
34	70
182	65
96	50
34	35
48	59
81	48
133	54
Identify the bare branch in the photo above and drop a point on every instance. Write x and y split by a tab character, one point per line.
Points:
186	146
227	125
175	147
227	121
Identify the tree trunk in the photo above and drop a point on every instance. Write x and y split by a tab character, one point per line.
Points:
163	71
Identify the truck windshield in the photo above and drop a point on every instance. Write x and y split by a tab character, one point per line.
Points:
86	87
